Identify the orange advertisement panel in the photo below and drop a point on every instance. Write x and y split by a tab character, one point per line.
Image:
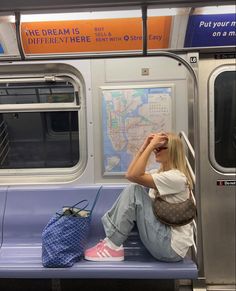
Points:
88	36
158	35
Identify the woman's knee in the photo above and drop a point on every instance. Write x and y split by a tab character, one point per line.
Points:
135	190
138	194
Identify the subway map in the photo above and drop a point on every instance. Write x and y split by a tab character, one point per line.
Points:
128	116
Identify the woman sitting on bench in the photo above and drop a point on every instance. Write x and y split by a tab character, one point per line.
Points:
165	243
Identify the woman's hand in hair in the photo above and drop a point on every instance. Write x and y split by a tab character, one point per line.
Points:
159	139
146	142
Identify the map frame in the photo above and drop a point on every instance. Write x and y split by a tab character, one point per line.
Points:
166	86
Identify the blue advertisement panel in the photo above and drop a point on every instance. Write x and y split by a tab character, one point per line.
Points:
211	30
1	49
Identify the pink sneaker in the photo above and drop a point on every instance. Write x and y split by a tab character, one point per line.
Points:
102	252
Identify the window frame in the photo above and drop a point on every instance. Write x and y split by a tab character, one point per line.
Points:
49	175
42	106
211	112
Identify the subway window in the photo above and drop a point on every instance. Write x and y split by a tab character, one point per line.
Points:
39	124
27	93
223	117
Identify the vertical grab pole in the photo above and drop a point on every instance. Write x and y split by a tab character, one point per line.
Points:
18	35
144	21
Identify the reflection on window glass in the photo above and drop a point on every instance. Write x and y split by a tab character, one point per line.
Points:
225	119
39	140
26	93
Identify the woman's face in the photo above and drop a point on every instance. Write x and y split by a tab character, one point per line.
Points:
161	154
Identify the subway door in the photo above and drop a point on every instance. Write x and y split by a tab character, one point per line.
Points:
217	146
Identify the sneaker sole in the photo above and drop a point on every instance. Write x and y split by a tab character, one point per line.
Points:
104	259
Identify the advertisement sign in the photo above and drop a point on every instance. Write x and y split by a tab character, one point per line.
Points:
89	36
211	30
158	32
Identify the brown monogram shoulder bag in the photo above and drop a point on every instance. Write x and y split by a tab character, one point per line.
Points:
175	214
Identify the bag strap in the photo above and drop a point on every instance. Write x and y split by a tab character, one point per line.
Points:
96	199
76	204
94	203
83	208
70	208
191	195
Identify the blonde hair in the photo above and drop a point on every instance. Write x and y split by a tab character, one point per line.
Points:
177	158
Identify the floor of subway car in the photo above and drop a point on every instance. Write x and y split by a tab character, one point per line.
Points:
88	285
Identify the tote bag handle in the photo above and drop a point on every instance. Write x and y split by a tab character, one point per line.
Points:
96	199
84	207
94	203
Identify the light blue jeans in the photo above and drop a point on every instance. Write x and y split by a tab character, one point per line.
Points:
134	205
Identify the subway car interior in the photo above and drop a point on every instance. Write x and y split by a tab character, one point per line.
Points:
82	83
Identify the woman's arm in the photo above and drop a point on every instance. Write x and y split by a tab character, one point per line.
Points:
137	156
137	173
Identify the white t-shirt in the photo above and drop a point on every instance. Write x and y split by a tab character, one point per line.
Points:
173	186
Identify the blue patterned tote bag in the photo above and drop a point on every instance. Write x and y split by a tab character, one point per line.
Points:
65	235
